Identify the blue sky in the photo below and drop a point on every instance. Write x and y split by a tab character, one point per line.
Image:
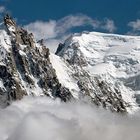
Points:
120	11
63	17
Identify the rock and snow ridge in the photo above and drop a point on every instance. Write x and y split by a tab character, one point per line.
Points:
25	67
94	67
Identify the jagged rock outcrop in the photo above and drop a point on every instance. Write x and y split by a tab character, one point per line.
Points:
72	55
25	67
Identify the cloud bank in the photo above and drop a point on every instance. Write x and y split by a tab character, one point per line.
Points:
41	118
56	31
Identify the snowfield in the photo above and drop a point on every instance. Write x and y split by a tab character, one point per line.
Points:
108	53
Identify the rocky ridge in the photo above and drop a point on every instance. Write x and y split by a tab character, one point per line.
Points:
25	67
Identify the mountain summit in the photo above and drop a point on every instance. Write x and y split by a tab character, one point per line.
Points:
105	68
99	68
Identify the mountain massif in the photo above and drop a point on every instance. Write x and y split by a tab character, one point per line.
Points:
99	68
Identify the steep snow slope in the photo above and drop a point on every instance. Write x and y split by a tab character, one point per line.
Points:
64	74
111	62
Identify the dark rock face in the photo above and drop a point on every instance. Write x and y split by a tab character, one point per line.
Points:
27	69
100	93
60	47
72	58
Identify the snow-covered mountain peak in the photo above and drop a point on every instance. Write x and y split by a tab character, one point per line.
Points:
100	48
113	59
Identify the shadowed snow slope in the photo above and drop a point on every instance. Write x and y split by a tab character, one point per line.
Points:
41	118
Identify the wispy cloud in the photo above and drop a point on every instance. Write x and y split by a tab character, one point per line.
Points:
72	21
43	29
79	20
109	25
135	25
52	29
2	9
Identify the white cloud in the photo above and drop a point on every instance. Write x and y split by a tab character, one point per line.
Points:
2	9
57	30
135	28
41	118
52	28
109	25
42	29
135	25
71	21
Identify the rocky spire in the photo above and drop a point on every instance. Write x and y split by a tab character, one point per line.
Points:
8	21
26	68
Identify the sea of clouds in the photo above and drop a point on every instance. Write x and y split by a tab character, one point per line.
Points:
41	118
